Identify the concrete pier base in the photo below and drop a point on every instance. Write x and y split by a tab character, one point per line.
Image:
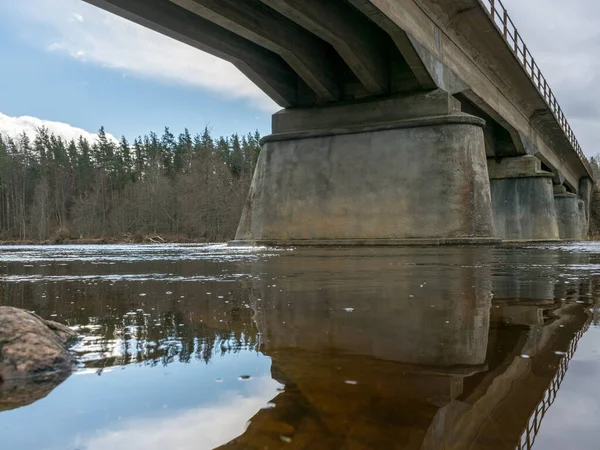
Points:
522	200
422	179
571	213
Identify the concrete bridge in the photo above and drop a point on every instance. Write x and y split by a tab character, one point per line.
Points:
403	121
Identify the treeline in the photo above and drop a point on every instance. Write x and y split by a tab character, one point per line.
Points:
172	186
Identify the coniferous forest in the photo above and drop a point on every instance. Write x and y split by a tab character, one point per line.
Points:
158	187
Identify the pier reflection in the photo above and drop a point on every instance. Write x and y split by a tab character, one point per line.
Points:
418	361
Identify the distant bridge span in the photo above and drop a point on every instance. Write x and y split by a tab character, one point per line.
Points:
404	120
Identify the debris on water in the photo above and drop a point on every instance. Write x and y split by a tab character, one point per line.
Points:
168	292
142	295
286	439
349	309
525	356
352	382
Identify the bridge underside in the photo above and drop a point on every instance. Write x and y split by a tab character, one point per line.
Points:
402	121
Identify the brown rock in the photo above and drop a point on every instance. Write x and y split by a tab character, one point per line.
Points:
31	347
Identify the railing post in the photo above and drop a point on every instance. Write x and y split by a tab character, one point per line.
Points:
508	30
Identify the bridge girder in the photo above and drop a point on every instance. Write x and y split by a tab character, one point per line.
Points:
264	68
311	58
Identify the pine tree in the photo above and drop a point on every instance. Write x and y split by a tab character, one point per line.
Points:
190	185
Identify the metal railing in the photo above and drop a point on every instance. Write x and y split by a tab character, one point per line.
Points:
508	30
535	420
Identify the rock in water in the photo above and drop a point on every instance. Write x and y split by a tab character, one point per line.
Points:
31	347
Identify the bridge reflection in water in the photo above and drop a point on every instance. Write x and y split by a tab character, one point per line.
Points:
435	349
425	365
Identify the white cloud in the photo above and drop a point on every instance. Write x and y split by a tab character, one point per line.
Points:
93	36
14	126
201	428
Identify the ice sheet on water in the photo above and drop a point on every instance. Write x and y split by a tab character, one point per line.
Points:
99	254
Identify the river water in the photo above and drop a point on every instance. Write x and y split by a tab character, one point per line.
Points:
200	347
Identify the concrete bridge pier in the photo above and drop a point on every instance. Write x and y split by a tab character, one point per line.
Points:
571	214
402	169
522	199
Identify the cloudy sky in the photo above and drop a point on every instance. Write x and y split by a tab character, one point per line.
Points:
67	62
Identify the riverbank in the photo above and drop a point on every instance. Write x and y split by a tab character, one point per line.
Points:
108	241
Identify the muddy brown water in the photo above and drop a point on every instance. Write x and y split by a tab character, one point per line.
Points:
201	347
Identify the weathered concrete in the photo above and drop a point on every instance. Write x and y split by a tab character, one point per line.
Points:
465	53
314	61
571	216
360	43
584	221
387	110
522	200
263	67
586	186
415	179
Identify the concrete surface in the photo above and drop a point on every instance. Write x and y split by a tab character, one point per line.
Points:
572	223
586	186
389	109
514	167
524	208
522	199
425	182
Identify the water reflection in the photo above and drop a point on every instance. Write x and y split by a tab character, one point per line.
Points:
18	393
462	348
